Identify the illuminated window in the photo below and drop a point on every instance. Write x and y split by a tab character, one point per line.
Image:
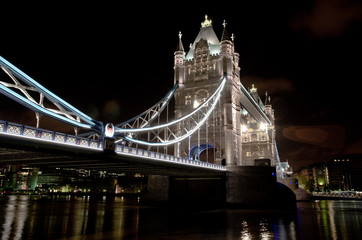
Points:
248	154
254	137
188	100
200	97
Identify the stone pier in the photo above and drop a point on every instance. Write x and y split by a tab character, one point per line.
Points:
241	187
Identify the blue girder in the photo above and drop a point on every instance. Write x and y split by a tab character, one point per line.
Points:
89	122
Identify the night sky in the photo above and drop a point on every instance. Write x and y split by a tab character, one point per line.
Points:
115	61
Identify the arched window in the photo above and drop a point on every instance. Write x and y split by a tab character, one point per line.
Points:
254	137
200	97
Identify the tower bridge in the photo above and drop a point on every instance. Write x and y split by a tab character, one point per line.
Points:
221	129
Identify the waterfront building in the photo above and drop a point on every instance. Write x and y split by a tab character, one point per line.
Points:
345	172
342	173
313	177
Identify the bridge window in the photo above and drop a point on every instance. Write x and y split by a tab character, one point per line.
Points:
188	100
253	125
254	137
201	96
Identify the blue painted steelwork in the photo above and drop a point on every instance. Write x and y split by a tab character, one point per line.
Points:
252	107
38	134
147	117
90	123
124	150
196	151
167	130
37	108
16	132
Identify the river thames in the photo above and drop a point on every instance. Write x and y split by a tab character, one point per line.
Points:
113	217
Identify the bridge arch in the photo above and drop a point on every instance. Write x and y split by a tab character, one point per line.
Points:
198	152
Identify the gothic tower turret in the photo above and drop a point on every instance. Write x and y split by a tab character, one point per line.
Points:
230	133
179	66
199	73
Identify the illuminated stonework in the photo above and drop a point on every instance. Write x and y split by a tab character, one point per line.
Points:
206	23
231	131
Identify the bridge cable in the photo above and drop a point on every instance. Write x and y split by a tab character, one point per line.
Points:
212	100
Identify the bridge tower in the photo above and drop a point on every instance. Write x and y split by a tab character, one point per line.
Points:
231	133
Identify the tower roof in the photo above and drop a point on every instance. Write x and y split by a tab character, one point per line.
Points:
207	33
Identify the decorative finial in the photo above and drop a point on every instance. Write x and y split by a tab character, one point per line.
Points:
224	23
179	34
253	89
232	37
206	23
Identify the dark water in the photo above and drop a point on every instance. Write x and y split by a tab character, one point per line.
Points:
29	217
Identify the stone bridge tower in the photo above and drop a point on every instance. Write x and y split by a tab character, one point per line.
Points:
199	72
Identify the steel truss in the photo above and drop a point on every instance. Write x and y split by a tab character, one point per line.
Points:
26	91
148	116
176	130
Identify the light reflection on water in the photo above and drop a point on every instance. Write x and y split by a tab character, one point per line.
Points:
85	217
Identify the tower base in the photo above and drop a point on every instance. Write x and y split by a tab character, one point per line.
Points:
257	187
242	187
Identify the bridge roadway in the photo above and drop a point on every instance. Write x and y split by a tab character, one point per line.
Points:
29	146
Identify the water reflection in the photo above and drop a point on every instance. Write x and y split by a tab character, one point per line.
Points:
15	216
70	217
262	225
331	219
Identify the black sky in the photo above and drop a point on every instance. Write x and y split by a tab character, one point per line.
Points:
113	61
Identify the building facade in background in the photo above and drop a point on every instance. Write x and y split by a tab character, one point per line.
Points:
340	173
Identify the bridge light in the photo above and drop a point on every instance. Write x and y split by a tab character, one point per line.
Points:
263	126
196	104
109	130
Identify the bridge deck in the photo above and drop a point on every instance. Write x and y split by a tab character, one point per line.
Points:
37	147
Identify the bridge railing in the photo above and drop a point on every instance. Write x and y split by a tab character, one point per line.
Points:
10	128
339	194
122	149
15	129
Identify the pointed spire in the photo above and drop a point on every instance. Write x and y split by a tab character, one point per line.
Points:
224	33
253	89
180	47
267	99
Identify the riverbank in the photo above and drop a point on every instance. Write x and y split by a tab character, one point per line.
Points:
32	193
336	195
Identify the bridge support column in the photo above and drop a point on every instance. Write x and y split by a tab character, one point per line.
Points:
186	191
34	179
228	135
257	187
11	177
157	188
